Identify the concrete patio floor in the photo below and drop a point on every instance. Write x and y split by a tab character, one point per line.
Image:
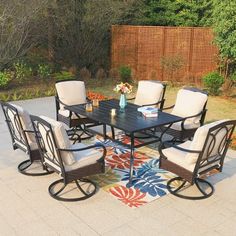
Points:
27	209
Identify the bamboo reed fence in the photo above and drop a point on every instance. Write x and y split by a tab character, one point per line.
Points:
146	48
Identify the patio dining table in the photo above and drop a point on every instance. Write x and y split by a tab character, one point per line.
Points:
130	121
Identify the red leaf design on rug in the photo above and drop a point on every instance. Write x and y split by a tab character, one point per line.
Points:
129	196
126	139
122	161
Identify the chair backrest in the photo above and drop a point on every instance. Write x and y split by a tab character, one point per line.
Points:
51	135
70	92
149	92
213	140
18	122
189	102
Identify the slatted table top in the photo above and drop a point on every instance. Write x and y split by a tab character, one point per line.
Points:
129	120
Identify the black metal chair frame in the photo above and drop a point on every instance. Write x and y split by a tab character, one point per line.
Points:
183	134
78	124
76	175
194	178
20	141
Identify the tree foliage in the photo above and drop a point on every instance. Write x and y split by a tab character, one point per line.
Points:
177	12
82	29
18	28
224	17
224	25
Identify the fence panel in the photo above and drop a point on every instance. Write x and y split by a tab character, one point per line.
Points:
144	47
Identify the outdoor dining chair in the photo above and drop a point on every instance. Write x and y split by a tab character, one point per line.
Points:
73	162
73	92
191	105
193	159
150	93
23	138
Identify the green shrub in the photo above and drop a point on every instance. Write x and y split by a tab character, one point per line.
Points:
44	71
125	74
63	75
213	81
22	71
5	78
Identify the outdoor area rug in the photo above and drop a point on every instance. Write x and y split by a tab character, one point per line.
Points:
149	182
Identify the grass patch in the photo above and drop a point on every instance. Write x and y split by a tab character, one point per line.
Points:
218	107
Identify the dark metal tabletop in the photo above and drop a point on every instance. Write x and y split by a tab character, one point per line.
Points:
130	120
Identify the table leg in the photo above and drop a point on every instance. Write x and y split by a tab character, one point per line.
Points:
129	184
104	131
164	131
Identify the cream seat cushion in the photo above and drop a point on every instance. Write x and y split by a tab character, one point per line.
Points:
83	158
179	157
61	139
189	103
188	160
148	92
71	160
200	138
71	92
26	125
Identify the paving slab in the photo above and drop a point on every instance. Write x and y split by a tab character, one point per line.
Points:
27	209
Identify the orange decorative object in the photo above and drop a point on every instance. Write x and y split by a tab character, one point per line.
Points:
92	96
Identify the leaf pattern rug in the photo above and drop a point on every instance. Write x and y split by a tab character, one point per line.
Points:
149	182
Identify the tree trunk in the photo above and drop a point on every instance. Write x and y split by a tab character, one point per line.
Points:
51	52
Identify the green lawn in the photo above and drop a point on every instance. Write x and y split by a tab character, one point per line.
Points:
218	107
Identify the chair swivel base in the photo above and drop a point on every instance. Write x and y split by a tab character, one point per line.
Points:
86	195
23	167
198	183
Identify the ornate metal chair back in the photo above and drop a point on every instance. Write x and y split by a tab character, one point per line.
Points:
215	147
47	145
15	126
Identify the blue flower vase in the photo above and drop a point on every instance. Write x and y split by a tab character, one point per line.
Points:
123	101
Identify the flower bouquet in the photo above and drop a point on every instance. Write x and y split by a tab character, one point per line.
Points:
123	89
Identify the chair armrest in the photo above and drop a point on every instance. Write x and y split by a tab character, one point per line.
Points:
167	108
60	101
86	148
170	145
81	149
128	99
188	117
152	104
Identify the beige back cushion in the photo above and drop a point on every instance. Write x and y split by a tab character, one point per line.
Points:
148	92
71	92
61	139
200	138
25	121
189	103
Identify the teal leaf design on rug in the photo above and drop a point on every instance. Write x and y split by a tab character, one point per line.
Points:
149	183
152	165
118	149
